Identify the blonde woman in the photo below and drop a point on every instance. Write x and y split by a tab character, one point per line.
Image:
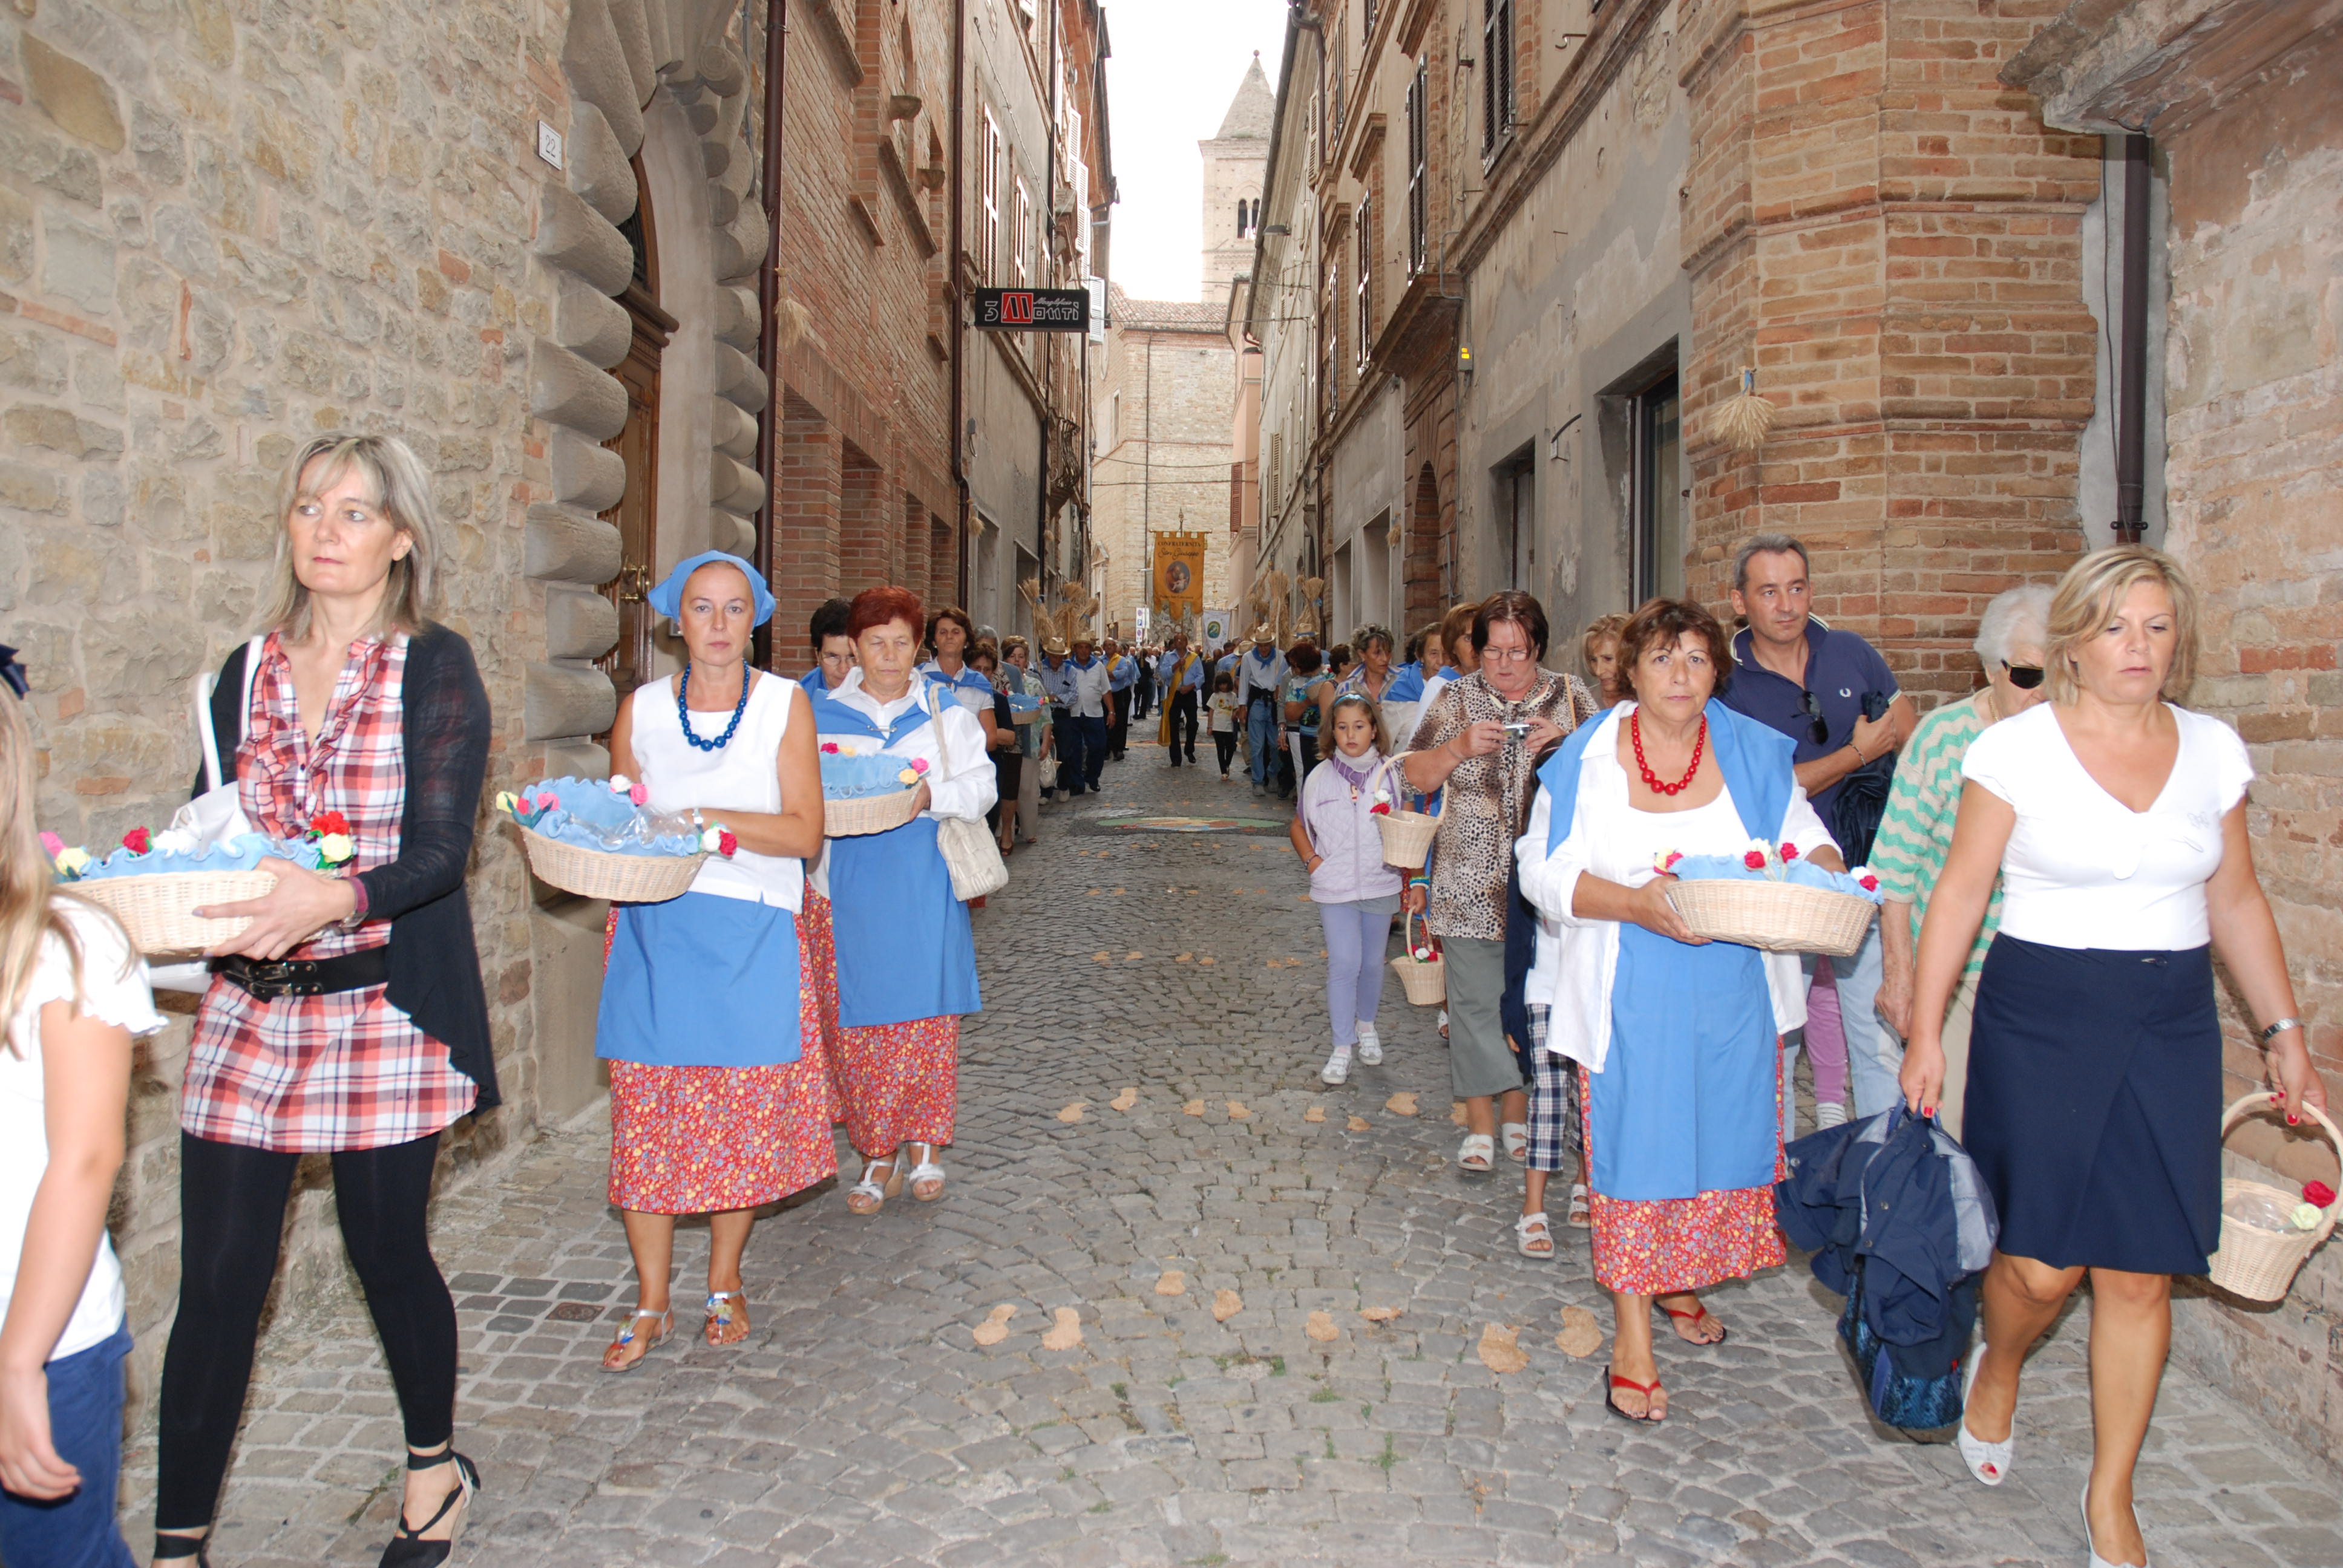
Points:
349	1019
72	994
2116	821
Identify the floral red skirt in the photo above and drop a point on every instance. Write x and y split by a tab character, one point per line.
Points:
1657	1247
898	1081
703	1140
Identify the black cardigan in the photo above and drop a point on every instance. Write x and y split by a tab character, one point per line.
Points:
434	964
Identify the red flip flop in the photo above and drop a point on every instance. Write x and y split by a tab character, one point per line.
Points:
1612	1381
1695	1316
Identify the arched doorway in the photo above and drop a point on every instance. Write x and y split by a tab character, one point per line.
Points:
636	514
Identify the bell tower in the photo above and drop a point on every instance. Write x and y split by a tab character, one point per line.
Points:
1235	159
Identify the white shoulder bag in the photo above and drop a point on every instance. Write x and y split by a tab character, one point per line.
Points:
968	850
215	816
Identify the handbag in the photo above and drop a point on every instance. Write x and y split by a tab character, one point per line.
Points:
970	854
216	815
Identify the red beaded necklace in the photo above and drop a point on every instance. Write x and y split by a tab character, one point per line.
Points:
1653	781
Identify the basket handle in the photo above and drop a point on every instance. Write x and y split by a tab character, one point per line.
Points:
2259	1099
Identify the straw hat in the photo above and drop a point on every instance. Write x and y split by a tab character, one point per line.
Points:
1055	645
1262	633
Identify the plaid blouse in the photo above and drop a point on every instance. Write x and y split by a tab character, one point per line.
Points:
344	1071
1486	801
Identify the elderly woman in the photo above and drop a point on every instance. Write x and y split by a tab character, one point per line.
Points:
2094	1088
1476	744
952	636
906	956
1598	656
1677	1038
719	1093
833	650
1916	831
349	1019
1019	678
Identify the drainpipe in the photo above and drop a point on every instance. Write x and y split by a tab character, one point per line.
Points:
1048	353
951	291
2131	387
768	301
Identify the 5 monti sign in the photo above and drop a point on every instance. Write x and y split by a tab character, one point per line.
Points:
1033	309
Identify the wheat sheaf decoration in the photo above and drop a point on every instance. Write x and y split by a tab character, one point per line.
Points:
1741	422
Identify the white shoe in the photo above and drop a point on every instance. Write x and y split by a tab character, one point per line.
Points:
1829	1114
2084	1502
1515	1136
1338	1066
1371	1045
1989	1462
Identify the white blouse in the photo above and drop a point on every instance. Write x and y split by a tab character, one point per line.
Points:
113	991
966	787
2082	869
1611	838
744	775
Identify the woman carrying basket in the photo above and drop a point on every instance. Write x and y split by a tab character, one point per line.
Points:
1356	893
1677	1038
906	956
710	1021
2118	822
349	1019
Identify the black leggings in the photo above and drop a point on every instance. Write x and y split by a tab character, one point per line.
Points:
1224	741
231	1224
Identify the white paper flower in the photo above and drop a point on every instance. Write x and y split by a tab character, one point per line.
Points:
620	784
176	841
2305	1216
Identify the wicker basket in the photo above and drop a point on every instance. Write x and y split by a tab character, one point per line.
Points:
1407	837
869	814
2259	1264
155	910
1426	984
1027	715
600	874
1779	917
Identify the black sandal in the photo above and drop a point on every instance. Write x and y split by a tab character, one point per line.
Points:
407	1549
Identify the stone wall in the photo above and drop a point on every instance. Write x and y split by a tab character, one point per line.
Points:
222	232
1167	457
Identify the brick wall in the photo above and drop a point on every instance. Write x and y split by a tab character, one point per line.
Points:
1895	241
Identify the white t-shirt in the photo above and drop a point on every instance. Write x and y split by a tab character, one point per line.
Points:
2085	870
114	989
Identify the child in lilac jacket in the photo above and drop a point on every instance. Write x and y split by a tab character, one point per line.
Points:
1357	894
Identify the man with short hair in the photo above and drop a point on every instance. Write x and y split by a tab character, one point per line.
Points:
1813	684
1261	680
1121	678
1180	674
1081	746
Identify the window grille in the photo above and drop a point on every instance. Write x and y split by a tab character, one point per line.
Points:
1497	72
1418	195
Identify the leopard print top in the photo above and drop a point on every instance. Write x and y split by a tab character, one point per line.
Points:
1487	799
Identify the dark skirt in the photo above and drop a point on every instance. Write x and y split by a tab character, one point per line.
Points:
2095	1105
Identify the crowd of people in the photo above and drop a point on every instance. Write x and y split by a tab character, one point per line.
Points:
2062	853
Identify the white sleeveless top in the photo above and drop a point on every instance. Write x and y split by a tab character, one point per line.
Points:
744	775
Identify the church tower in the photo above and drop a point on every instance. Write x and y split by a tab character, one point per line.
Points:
1235	159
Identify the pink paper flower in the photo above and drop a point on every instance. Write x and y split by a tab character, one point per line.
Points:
919	765
1670	863
830	749
640	794
53	844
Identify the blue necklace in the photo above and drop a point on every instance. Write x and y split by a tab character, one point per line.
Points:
683	714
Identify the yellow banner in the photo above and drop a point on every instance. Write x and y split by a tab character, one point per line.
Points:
1178	575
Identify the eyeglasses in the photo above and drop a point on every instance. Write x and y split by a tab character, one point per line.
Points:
1811	706
1493	655
2024	677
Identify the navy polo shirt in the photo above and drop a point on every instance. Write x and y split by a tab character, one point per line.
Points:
1840	668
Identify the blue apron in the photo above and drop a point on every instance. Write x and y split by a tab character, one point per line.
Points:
905	948
701	980
1685	1102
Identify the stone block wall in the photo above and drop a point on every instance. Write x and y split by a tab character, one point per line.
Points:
1176	376
1893	239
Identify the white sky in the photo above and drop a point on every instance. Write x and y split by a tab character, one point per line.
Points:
1176	63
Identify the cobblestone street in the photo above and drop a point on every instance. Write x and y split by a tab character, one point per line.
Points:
1249	1319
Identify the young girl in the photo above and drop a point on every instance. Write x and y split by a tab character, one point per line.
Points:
1224	708
72	993
1356	893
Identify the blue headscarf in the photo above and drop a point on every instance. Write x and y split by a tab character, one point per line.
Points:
667	598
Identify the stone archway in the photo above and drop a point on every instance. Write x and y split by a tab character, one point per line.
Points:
656	86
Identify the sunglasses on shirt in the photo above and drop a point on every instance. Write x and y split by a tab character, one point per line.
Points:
1818	727
2024	677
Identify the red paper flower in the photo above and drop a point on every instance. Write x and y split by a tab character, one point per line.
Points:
1380	809
329	822
829	747
1673	855
1870	883
2317	1193
1789	852
137	840
1754	859
726	843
